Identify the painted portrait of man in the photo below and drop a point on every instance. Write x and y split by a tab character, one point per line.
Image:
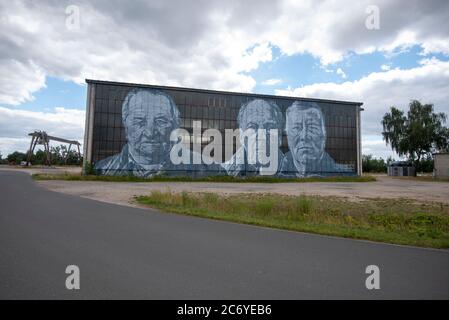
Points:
254	116
148	116
306	136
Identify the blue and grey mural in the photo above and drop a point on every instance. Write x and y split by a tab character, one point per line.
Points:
256	116
306	134
149	117
268	140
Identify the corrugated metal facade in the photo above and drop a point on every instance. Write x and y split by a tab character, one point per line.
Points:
106	137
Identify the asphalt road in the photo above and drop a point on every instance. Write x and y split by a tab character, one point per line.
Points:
125	252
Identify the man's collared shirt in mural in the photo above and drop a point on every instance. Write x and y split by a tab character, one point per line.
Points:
238	165
123	164
325	166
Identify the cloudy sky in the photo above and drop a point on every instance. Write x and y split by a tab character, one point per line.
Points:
321	49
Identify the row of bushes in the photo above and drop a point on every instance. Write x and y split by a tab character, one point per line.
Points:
57	156
379	165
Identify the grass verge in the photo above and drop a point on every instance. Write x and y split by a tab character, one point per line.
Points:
385	220
161	178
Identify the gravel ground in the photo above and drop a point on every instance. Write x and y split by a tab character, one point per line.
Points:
385	187
123	192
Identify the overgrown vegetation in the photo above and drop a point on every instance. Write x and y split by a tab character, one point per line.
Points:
162	178
88	168
394	221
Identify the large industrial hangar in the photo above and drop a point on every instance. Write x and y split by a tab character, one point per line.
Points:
128	130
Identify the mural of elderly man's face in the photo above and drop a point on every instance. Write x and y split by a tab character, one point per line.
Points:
305	132
259	114
148	126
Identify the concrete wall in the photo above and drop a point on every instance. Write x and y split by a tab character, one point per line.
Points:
441	165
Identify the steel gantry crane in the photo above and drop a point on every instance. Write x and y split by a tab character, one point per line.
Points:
42	138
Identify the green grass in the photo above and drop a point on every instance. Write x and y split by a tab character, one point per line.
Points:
161	178
394	221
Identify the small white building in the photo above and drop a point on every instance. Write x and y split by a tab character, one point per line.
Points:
441	165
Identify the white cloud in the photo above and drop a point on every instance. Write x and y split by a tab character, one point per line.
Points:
385	67
210	44
341	73
428	83
19	80
329	30
15	124
9	145
271	82
189	44
374	145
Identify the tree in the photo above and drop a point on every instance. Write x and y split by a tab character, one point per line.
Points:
16	157
425	165
60	155
39	157
371	164
417	134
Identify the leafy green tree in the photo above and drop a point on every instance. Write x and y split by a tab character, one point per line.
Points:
73	158
39	157
417	134
425	165
57	155
371	164
16	157
61	152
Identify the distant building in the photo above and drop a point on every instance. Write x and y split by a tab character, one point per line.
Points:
401	169
441	165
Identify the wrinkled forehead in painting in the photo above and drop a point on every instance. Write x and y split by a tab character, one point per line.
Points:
259	113
144	103
305	114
